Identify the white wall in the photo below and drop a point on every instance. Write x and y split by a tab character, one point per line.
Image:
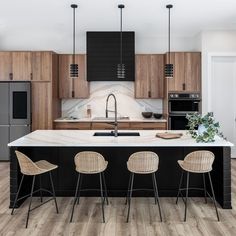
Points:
213	42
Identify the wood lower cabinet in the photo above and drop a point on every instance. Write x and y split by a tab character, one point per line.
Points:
5	66
72	87
149	76
22	66
106	126
187	72
72	125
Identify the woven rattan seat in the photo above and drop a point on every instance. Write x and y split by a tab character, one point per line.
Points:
28	167
143	162
88	162
198	162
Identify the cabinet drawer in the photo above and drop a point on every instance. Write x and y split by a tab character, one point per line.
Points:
148	125
104	125
70	125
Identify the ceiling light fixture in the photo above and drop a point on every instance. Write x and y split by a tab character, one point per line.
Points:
74	70
121	65
169	67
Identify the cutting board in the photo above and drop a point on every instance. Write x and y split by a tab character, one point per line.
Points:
168	135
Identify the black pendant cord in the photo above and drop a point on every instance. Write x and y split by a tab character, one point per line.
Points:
73	36
169	38
121	37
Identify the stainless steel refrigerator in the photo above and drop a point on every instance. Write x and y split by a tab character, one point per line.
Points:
15	113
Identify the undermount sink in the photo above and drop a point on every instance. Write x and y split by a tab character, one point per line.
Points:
112	133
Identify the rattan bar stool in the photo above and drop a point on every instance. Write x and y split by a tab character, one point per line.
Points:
142	163
87	163
198	162
30	168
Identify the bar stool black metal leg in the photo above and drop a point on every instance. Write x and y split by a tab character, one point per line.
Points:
204	183
17	194
157	195
213	194
180	184
102	202
186	199
40	185
76	192
127	196
105	188
154	188
53	191
80	185
31	194
130	195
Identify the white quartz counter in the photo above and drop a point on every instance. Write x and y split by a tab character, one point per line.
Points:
78	138
72	120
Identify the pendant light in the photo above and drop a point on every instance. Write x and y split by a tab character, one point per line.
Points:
74	70
169	67
121	65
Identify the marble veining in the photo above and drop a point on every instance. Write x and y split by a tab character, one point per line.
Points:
85	138
124	92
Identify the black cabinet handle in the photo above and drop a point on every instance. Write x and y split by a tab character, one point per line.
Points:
184	86
149	94
11	76
31	76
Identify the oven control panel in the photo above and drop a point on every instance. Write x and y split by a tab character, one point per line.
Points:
184	95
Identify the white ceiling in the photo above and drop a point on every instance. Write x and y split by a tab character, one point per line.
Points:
53	18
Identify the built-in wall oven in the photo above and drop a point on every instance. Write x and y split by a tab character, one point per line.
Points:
181	104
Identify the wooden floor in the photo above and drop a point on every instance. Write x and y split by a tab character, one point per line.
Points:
144	216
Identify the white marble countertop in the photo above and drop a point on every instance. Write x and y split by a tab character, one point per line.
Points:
79	138
74	120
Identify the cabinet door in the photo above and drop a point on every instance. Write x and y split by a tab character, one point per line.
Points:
177	84
192	71
5	65
66	84
41	105
42	66
21	65
142	82
156	76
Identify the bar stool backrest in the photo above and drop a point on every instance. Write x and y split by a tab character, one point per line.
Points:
27	166
143	162
90	162
199	161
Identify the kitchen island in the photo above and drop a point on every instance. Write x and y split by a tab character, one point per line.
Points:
60	147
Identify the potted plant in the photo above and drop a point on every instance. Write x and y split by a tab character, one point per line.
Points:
203	128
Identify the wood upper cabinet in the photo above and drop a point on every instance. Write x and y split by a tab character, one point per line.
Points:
21	65
79	85
187	72
149	75
42	66
5	65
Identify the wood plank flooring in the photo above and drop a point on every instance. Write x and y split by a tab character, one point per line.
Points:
144	218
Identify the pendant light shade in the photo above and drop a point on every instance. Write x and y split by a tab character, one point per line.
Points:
121	65
169	67
74	69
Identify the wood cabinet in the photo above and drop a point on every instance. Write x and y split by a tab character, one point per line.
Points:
42	66
79	85
149	75
106	126
5	65
22	66
46	105
187	72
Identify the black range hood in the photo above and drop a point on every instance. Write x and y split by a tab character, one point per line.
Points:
103	55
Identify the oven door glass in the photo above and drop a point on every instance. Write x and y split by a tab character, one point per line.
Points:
183	106
19	105
178	122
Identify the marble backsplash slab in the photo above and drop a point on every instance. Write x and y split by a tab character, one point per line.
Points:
126	104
